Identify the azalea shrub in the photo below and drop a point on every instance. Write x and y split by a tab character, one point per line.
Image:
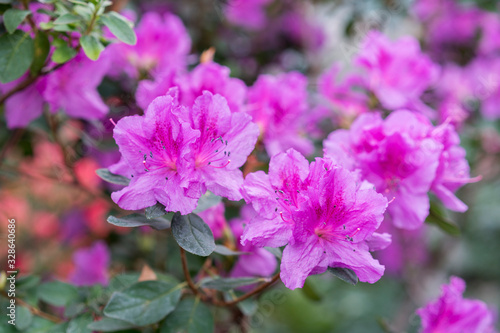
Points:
249	166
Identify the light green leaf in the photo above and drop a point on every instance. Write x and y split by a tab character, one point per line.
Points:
16	55
119	26
13	17
79	324
63	54
144	303
106	175
67	19
91	46
24	318
57	293
345	274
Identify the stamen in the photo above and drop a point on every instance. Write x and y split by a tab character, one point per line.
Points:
393	198
220	167
281	214
112	121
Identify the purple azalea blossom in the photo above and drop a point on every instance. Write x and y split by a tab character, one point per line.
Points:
278	104
250	14
209	76
397	71
175	154
452	313
322	213
91	265
215	219
404	157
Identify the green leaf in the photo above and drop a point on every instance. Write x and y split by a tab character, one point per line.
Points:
106	175
16	55
345	274
207	201
110	325
63	53
67	19
144	303
27	282
122	281
190	316
139	220
13	17
42	50
248	306
155	211
226	284
91	46
79	324
119	26
221	249
41	325
192	234
438	217
24	318
57	293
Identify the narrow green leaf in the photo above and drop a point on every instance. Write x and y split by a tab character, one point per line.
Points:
221	249
345	274
111	177
139	220
57	293
42	49
41	325
309	291
192	234
109	325
119	26
67	19
63	54
16	55
91	46
13	17
190	316
144	303
226	284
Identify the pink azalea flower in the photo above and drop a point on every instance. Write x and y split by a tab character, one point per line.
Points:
215	219
250	14
91	265
175	154
278	104
452	313
342	95
323	214
209	76
404	156
397	71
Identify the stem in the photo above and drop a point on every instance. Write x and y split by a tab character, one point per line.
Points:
257	290
189	281
215	301
36	311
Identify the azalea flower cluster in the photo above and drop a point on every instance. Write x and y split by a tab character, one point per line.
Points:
324	215
405	157
454	314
